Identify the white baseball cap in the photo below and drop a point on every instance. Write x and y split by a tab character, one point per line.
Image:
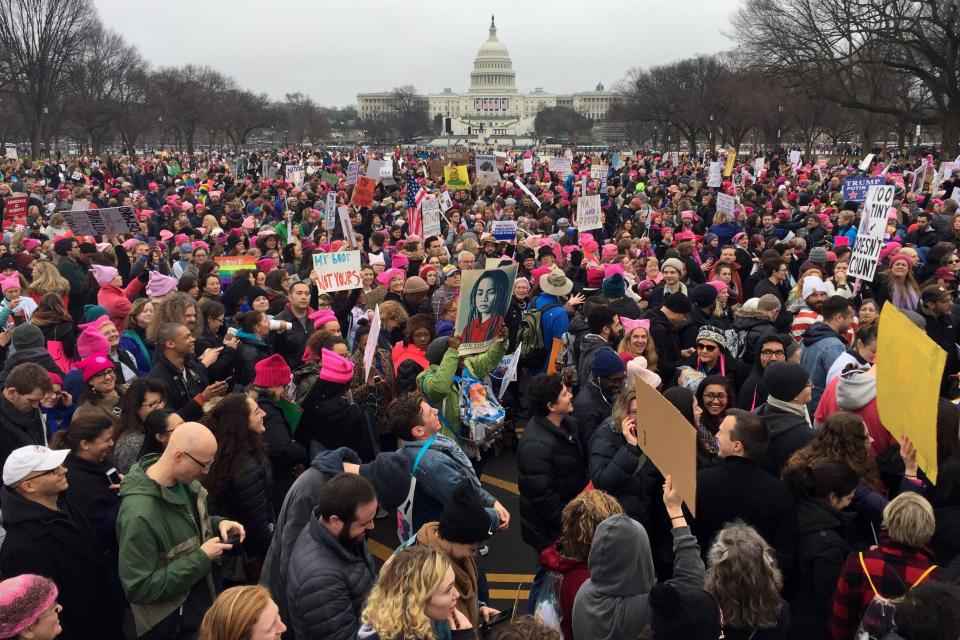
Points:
26	460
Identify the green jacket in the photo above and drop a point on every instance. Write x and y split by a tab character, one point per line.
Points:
160	555
437	383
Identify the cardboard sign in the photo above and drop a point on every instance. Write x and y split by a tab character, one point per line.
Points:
371	349
726	203
15	211
486	170
484	300
714	177
909	368
795	157
527	165
855	189
435	167
386	171
346	225
866	248
588	213
330	212
528	192
456	177
599	171
11	153
669	441
561	166
374	167
504	230
866	162
446	202
353	172
337	271
758	166
430	211
363	192
94	222
731	160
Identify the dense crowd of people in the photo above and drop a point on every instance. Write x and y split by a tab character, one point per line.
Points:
196	441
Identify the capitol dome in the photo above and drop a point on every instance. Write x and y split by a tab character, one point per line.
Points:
492	68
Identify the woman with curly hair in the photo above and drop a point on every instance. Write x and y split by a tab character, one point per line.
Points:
239	481
744	580
414	598
418	333
568	555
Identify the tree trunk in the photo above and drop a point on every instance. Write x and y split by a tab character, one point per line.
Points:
692	142
950	135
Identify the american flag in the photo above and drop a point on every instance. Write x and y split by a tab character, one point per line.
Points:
415	195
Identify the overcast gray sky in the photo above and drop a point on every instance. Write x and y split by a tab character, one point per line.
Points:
332	50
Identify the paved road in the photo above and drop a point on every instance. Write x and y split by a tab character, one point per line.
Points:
510	563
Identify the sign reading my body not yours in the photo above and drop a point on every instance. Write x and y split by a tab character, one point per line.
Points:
338	270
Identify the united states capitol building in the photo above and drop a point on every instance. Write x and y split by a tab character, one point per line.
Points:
493	107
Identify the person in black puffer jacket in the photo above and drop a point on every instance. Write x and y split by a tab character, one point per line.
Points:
240	479
253	347
551	464
617	463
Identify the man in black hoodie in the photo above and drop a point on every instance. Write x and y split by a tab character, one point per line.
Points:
20	422
785	413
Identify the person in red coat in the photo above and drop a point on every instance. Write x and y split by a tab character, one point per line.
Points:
111	297
568	555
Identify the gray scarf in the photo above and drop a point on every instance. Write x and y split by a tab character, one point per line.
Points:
789	407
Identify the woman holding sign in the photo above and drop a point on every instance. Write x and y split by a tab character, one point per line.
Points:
488	301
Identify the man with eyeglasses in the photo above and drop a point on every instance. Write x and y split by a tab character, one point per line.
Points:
20	420
166	570
771	348
47	536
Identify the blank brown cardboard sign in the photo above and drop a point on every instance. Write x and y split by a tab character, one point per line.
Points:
669	441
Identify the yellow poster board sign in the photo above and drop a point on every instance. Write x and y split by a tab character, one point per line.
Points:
456	177
909	370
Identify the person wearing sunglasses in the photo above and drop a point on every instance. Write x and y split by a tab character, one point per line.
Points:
166	594
711	357
48	533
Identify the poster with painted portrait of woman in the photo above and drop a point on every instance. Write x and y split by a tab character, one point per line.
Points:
484	299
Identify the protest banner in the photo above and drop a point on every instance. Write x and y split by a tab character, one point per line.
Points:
669	440
866	162
346	225
504	230
757	166
484	299
337	271
435	167
94	222
353	172
386	171
11	153
373	169
588	213
909	369
446	202
456	177
15	211
598	171
430	210
731	160
714	177
866	248
529	193
947	170
330	212
486	170
795	156
725	203
527	165
371	349
855	189
331	179
561	166
229	265
363	192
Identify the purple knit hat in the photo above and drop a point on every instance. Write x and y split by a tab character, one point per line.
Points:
23	600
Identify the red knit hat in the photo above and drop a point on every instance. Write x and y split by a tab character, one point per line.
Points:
272	372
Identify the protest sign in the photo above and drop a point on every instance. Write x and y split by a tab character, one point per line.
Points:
615	160
855	189
725	203
669	440
446	202
560	165
430	210
757	166
910	367
363	191
795	156
484	299
11	153
435	168
501	157
731	160
371	349
866	162
714	179
353	172
229	265
528	165
456	177
94	222
509	365
386	171
947	170
346	225
373	169
674	157
588	213
866	248
486	168
330	212
15	211
528	192
504	230
330	178
598	171
955	195
337	271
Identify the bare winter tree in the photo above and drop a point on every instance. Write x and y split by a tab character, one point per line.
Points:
243	112
38	38
185	97
304	119
409	113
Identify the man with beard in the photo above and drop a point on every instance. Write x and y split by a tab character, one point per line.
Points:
605	330
808	312
331	571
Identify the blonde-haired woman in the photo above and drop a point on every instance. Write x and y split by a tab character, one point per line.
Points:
243	613
636	341
414	598
46	279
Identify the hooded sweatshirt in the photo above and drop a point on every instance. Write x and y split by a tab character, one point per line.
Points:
821	347
613	603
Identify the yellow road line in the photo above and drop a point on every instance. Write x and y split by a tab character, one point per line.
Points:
382	551
508	594
510	577
503	484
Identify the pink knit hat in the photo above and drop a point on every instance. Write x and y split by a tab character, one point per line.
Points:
335	368
719	285
103	274
321	318
95	324
23	600
399	261
90	367
266	264
388	275
272	372
609	252
90	342
10	282
160	285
